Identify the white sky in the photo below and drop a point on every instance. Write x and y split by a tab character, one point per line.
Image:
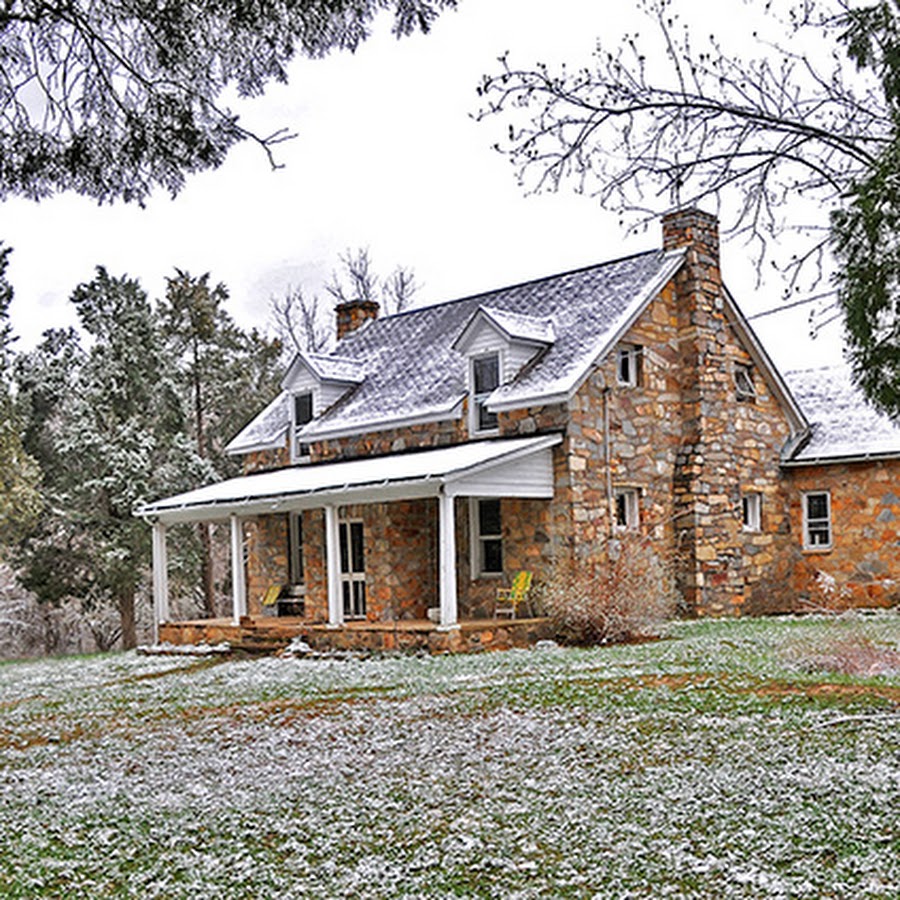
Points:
387	156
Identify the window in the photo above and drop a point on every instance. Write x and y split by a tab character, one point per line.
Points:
485	379
743	383
303	413
295	548
628	365
751	512
817	520
487	544
627	509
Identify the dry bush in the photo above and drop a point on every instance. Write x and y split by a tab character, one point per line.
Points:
625	599
853	656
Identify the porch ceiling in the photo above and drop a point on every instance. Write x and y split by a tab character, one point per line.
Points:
510	467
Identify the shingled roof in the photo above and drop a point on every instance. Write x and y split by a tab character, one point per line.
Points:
843	424
414	374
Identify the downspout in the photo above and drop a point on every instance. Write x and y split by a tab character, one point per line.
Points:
608	462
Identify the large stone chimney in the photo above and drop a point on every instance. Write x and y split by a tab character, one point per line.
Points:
353	314
706	477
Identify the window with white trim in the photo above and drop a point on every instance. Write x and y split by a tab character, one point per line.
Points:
627	508
487	537
817	520
485	378
751	512
302	414
743	383
628	365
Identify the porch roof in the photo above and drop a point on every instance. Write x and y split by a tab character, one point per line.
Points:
506	467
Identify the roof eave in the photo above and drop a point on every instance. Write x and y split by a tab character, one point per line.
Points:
840	460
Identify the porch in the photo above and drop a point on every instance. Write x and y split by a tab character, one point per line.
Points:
264	634
391	530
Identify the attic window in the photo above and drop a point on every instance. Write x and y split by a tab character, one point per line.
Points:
627	509
751	512
485	379
743	383
628	365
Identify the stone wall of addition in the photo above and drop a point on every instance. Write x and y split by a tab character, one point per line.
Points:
862	566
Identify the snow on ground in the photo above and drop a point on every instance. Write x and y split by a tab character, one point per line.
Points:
710	764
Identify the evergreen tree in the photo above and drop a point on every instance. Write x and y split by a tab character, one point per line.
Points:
224	375
20	475
115	437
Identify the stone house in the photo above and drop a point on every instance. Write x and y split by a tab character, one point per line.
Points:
434	453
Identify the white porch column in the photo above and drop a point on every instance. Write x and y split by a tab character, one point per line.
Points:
447	562
160	579
333	567
238	582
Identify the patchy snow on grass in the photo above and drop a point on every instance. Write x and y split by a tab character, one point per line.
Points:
708	764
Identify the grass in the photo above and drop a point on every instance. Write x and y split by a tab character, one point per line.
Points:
731	759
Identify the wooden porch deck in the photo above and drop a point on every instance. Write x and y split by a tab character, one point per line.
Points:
268	634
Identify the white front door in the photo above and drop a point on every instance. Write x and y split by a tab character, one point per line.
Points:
353	569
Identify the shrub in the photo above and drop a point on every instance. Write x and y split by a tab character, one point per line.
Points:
626	598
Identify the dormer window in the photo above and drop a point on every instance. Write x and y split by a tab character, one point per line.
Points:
485	378
628	365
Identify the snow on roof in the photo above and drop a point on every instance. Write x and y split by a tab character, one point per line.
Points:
522	326
418	473
844	425
413	372
267	430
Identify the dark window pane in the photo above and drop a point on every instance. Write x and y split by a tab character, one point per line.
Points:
302	409
486	374
345	590
488	517
356	547
295	548
486	418
816	506
345	559
492	556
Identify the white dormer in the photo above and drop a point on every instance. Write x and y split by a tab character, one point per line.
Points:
498	345
314	383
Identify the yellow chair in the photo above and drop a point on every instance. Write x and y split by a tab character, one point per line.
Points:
510	599
272	595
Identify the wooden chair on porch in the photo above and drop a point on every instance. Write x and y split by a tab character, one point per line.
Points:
510	599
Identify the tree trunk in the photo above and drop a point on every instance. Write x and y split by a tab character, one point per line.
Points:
129	626
207	579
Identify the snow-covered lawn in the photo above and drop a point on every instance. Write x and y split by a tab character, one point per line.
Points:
733	759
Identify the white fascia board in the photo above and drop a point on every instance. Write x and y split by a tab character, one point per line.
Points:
571	386
738	321
529	400
452	410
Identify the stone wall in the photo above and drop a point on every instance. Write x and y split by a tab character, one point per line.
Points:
862	567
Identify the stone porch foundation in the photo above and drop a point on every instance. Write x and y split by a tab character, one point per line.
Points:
267	635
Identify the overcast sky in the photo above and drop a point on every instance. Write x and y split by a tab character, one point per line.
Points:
387	156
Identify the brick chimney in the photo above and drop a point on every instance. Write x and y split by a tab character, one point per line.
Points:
353	314
706	476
